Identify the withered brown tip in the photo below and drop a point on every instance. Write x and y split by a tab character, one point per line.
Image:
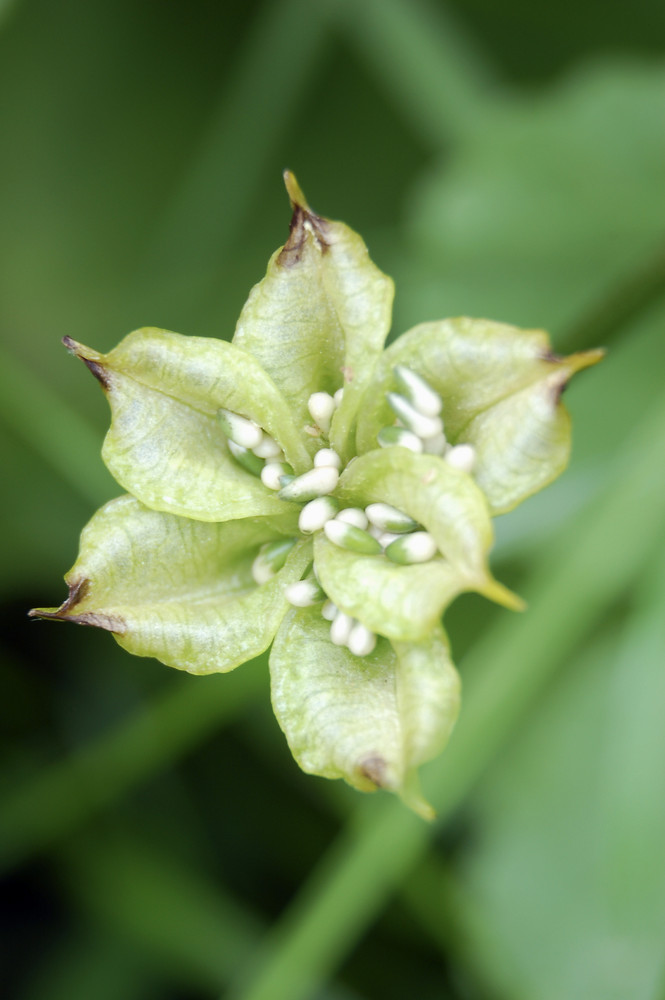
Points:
78	590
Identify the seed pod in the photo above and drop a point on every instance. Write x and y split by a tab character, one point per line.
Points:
388	436
361	641
461	456
327	457
389	518
353	515
347	536
417	547
314	514
321	405
240	429
243	456
304	593
271	558
419	392
423	426
315	483
341	628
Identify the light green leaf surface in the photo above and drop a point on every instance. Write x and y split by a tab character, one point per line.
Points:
446	501
500	388
400	602
165	445
177	589
370	720
428	696
319	318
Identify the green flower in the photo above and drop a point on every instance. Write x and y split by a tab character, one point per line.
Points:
302	487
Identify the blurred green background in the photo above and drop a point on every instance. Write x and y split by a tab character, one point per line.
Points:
501	160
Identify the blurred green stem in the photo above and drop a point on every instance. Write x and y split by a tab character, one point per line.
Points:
267	85
424	61
37	415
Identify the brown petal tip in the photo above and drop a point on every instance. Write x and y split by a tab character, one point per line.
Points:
91	358
78	591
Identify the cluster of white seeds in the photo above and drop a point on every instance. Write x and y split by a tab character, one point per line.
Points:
379	529
419	425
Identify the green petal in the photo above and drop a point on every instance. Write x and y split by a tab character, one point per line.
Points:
370	720
165	445
500	388
446	501
400	602
177	589
428	702
319	318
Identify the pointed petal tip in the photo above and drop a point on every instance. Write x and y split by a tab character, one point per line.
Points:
43	613
585	359
294	191
91	358
80	350
495	591
413	799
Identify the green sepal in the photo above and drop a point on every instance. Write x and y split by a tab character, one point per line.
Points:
400	602
446	501
178	589
370	720
165	444
501	389
319	318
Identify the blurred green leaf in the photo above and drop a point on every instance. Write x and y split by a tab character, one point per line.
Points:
584	774
542	210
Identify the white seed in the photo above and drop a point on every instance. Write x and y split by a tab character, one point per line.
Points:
347	536
303	593
388	518
399	435
436	445
413	420
417	547
262	571
329	611
461	456
267	448
338	396
374	531
353	515
314	514
321	405
271	475
361	641
240	429
315	483
419	392
341	628
386	538
327	457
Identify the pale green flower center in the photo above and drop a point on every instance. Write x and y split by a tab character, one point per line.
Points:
380	529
